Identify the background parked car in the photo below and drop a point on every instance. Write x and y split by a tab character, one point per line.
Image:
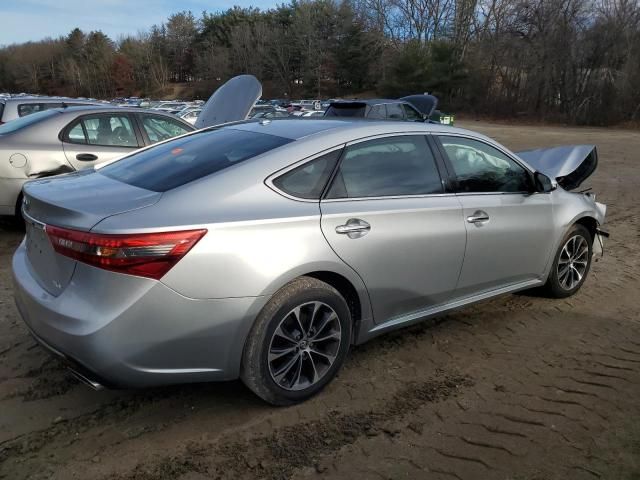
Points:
387	109
12	108
62	140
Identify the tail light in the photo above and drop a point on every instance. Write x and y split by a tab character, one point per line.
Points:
148	255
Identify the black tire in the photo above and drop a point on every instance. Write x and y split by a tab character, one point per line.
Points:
256	371
554	287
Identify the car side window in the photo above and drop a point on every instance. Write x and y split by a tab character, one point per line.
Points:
479	167
378	112
76	134
411	113
308	180
394	111
29	108
162	128
108	130
392	166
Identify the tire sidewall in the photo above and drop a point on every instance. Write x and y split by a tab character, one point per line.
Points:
256	356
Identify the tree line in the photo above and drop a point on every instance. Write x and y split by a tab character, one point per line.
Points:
576	61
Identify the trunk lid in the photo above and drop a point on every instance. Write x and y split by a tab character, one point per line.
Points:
570	165
69	201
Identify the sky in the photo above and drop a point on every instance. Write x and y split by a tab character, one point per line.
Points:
30	20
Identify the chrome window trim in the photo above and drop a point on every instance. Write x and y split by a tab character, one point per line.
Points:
269	180
390	197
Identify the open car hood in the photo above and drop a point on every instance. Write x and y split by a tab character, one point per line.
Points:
231	102
425	104
570	165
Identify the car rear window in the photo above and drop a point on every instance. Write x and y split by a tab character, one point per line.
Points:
23	122
345	110
178	162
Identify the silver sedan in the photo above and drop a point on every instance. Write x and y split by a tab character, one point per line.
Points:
62	140
265	250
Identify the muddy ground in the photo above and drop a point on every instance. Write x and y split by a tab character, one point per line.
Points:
520	387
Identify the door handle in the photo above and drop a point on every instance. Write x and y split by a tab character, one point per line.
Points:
86	157
354	228
478	217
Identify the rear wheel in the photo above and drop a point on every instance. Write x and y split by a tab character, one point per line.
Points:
298	342
571	264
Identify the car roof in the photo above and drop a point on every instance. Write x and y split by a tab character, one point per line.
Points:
110	108
299	128
48	100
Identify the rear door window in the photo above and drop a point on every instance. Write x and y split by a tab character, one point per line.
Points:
1	110
392	166
104	130
186	159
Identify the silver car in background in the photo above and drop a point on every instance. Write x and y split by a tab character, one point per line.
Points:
264	250
62	140
12	108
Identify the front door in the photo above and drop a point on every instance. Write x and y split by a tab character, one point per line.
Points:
509	229
387	216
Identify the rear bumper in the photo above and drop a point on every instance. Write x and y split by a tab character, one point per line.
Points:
126	331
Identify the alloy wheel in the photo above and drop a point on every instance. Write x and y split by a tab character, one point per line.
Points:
304	346
573	261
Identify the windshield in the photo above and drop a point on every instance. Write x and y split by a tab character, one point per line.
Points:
186	159
23	122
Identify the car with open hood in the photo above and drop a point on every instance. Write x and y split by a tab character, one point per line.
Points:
413	108
264	250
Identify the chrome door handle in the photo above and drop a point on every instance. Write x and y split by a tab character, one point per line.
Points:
478	217
354	228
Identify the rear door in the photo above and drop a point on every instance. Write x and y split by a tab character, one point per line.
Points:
96	138
509	229
386	214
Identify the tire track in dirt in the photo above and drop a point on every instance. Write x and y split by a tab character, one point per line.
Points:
279	454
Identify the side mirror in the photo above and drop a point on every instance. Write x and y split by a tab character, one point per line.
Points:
543	184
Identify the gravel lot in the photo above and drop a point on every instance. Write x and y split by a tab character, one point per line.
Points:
519	387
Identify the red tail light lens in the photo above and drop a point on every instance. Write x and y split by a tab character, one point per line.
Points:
148	255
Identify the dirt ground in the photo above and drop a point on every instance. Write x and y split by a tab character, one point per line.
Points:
520	387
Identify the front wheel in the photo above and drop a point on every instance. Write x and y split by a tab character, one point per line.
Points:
571	264
298	342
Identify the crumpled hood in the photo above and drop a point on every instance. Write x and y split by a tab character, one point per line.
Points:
570	165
